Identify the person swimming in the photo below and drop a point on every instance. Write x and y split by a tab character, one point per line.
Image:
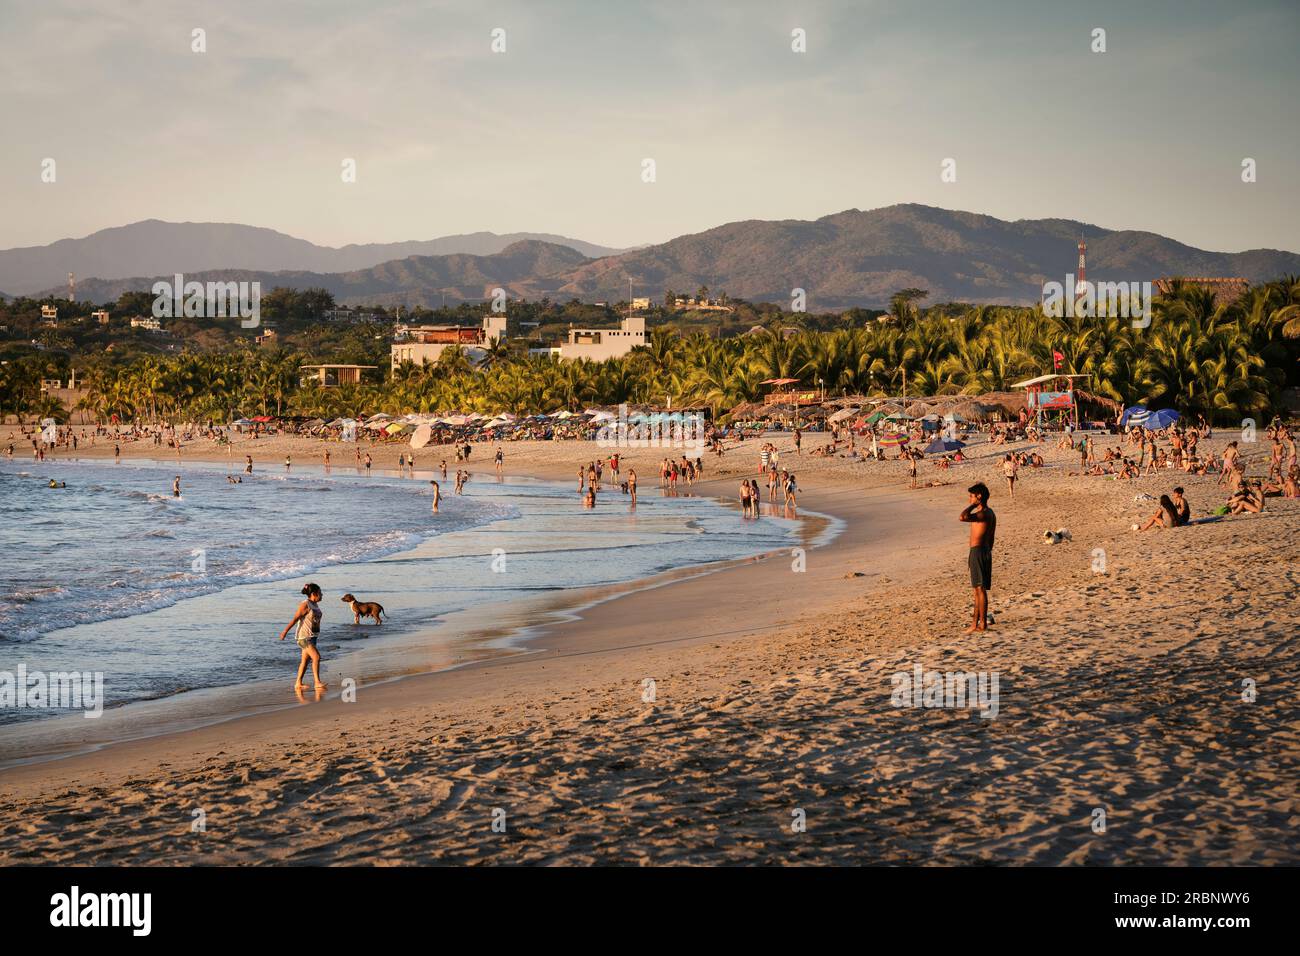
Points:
58	484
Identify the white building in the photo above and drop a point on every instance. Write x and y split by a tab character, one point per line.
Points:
148	323
601	344
424	344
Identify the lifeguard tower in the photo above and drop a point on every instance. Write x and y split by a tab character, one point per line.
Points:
1052	397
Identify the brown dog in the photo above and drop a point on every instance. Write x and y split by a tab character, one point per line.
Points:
362	609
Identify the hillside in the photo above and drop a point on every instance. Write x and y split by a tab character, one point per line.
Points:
154	247
852	258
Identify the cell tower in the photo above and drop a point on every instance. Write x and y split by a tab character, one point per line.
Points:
72	287
1080	283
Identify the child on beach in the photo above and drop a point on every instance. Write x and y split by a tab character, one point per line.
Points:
307	621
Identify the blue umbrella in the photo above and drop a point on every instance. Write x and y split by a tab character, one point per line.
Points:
941	445
1161	419
1136	415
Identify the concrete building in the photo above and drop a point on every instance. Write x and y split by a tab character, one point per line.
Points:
148	323
601	344
69	395
332	376
101	316
424	344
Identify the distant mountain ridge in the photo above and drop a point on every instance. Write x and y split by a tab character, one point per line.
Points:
154	247
851	258
521	269
861	258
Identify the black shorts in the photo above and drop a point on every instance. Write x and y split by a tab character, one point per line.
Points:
981	567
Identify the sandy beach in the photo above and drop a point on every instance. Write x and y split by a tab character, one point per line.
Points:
770	733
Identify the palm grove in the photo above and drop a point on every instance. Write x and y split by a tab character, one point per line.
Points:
1227	362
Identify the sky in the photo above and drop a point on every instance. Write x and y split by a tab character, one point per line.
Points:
552	134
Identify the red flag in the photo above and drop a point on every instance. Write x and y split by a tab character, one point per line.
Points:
1057	360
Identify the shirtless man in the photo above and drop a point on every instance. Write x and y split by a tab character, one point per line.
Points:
1182	507
983	526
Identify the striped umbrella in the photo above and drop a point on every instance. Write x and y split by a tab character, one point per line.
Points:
894	440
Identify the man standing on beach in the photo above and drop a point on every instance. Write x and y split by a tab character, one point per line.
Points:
983	526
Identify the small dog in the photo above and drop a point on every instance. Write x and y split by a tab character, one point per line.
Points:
1057	536
362	609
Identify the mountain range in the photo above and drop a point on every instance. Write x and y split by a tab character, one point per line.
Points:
851	258
155	247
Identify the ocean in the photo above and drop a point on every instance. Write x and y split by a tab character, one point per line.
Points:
172	596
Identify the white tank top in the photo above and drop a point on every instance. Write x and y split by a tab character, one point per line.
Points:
309	626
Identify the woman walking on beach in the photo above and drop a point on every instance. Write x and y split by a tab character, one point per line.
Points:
307	620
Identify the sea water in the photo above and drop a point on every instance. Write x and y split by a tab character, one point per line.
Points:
166	595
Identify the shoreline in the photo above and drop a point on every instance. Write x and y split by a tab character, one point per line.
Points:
487	640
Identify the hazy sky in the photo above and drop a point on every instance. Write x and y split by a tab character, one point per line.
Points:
550	136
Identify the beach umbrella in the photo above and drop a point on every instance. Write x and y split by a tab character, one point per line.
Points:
1135	415
1161	419
893	440
842	414
941	445
423	435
